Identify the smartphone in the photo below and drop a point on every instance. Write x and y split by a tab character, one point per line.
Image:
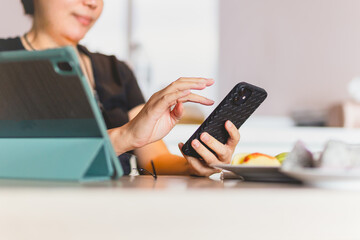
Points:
237	106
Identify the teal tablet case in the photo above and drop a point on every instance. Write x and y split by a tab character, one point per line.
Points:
51	127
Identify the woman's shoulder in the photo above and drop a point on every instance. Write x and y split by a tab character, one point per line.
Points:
11	44
100	57
108	64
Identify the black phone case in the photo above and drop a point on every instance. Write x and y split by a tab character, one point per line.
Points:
227	110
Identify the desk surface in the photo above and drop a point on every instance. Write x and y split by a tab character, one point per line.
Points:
175	208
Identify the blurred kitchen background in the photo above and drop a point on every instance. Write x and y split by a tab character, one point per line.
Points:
305	53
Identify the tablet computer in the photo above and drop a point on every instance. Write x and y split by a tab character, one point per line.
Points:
51	126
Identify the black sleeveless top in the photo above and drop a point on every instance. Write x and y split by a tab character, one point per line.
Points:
115	83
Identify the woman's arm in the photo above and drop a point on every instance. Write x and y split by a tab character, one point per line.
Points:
165	162
159	115
148	152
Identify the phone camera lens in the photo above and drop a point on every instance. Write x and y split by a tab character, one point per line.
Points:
237	99
242	96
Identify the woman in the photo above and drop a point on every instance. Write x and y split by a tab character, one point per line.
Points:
132	125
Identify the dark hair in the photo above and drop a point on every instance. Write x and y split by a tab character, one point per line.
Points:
28	6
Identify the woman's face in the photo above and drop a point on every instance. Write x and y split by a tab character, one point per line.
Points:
69	19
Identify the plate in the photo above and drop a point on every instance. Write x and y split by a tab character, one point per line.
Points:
258	173
327	178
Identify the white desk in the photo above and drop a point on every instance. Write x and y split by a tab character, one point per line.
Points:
175	208
188	208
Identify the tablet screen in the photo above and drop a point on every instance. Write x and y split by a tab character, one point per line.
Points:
37	101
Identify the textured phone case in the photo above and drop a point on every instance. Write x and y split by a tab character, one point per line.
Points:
227	110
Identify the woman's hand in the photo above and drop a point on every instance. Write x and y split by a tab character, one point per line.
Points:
223	152
159	115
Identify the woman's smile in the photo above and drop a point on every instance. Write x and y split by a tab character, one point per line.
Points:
84	20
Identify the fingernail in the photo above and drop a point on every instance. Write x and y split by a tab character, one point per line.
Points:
195	143
228	123
205	137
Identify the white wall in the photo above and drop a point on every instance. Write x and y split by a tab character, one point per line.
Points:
177	38
304	52
109	34
12	20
